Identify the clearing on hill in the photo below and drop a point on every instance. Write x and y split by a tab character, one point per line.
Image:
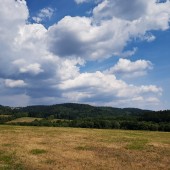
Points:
24	119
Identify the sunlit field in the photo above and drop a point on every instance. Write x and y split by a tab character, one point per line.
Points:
50	148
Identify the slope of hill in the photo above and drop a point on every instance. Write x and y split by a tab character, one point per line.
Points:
87	116
76	111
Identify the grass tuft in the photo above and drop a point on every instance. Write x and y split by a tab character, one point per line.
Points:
38	151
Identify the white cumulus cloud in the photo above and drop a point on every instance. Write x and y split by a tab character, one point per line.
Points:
14	83
45	13
129	68
107	32
105	88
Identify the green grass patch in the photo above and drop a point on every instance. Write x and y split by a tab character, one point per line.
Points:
38	151
8	162
138	144
4	158
7	144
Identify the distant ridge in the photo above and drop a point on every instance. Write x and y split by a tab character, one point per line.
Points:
74	110
86	116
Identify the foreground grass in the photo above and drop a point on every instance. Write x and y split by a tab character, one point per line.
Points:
48	148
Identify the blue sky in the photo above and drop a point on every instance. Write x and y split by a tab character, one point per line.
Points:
100	52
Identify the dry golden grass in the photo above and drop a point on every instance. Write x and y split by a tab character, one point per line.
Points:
48	148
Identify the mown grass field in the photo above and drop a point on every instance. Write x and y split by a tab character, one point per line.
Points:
5	115
31	119
48	148
24	119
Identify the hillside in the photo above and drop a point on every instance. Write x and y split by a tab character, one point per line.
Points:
76	111
87	116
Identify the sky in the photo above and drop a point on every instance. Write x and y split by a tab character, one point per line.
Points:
99	52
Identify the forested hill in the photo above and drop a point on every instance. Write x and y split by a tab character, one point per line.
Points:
5	110
76	111
87	116
72	111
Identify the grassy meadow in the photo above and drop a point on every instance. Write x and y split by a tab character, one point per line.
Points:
24	119
50	148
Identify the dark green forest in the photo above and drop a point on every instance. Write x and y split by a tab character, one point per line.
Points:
87	116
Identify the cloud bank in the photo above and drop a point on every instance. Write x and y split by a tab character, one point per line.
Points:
42	65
